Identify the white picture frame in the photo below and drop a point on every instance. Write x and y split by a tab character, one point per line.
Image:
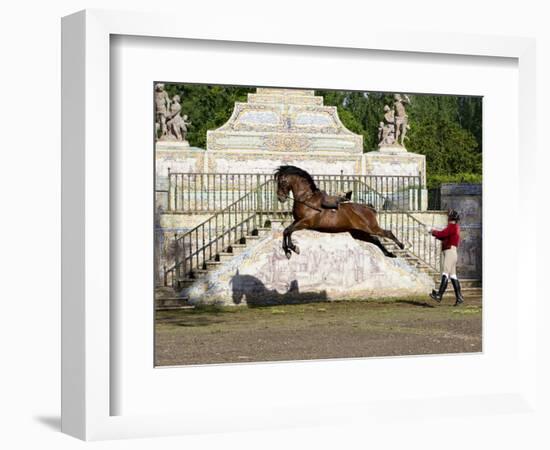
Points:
87	316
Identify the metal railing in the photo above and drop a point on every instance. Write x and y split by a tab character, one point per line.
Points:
212	192
223	230
413	234
434	199
209	192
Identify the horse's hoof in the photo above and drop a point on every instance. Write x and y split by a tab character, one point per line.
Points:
401	246
392	255
296	249
288	254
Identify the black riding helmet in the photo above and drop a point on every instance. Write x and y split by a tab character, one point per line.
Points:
453	215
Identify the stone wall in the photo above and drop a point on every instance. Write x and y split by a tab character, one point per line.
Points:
467	200
267	162
177	159
400	163
166	227
329	267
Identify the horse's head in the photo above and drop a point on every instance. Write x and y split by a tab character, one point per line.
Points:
283	188
291	178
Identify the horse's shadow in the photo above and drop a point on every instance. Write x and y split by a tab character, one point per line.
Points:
252	290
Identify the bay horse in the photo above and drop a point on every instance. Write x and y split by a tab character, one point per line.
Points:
354	218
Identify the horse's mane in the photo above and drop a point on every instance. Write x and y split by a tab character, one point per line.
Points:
293	170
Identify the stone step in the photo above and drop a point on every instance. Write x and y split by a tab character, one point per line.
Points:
164	292
225	256
410	258
471	290
187	282
238	248
280	222
219	260
200	272
464	282
171	303
470	283
251	238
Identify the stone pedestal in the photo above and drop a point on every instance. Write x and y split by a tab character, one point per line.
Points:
178	157
395	160
173	145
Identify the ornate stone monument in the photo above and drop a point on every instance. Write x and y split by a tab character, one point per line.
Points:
284	126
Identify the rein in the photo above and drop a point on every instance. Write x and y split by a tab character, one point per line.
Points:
308	205
304	203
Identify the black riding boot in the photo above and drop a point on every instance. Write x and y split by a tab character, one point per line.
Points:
458	291
438	295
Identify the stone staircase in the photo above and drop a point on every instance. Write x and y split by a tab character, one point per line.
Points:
470	287
411	259
167	298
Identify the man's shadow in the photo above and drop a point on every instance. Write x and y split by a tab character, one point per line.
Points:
252	290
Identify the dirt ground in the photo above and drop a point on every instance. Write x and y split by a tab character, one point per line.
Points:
408	326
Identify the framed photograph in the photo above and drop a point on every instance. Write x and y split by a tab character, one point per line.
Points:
264	230
282	235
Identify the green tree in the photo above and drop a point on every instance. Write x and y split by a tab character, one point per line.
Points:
436	132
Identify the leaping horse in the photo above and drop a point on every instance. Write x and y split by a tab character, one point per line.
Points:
310	212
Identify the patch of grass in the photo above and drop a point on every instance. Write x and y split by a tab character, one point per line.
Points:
215	309
467	310
387	312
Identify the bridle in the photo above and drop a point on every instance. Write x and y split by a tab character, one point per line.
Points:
303	202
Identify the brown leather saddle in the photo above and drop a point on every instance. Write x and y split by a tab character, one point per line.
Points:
333	201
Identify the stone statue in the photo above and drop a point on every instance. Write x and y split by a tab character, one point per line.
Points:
162	106
177	125
169	124
401	117
184	124
386	129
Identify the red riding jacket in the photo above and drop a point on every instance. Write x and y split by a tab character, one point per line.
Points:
449	236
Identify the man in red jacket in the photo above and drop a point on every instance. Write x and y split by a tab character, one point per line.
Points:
450	238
